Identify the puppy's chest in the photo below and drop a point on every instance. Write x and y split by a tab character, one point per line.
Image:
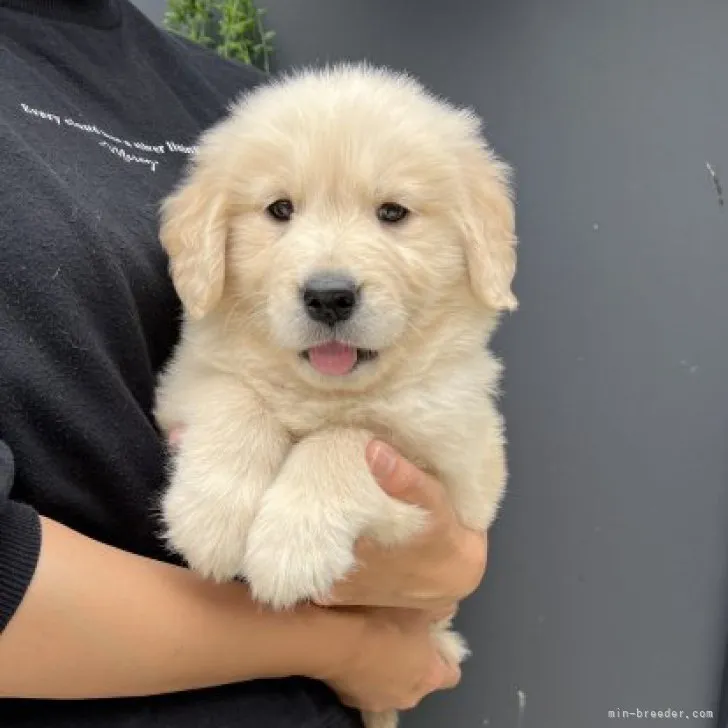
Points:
416	421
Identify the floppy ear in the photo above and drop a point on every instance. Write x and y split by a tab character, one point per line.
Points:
193	232
489	228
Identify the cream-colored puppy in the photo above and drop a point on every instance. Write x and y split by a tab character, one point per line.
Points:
342	245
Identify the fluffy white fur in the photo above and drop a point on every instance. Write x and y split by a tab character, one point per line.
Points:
270	481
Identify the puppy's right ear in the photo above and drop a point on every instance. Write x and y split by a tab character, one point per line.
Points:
488	223
193	232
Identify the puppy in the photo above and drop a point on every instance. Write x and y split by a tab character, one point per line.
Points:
343	245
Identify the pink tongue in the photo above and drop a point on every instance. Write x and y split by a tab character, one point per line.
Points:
332	359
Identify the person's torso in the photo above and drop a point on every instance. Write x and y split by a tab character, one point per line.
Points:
99	112
98	117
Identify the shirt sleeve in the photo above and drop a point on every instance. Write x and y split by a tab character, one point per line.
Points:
20	537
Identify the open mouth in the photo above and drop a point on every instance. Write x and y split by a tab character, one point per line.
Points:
335	359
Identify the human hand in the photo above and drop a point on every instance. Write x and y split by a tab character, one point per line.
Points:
392	662
436	570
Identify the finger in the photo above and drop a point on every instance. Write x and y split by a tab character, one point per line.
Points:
448	612
443	676
451	677
401	479
349	701
473	557
326	602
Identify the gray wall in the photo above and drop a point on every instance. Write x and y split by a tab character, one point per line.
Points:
607	582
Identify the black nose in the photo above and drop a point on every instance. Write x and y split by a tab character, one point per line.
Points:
330	298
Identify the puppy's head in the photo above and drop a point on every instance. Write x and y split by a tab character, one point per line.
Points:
336	213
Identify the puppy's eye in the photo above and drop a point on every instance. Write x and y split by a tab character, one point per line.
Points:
281	210
392	212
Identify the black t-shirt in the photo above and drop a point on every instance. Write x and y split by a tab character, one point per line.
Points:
99	112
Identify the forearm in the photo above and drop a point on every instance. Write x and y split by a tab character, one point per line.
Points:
99	622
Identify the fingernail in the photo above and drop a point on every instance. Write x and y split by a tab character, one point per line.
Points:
382	460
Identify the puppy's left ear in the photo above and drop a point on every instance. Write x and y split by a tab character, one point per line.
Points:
489	228
194	231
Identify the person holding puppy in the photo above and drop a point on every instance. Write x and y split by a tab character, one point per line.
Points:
100	113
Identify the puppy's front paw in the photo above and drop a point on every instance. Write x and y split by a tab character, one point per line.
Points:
295	554
205	531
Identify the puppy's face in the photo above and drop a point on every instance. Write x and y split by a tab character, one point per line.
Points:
336	213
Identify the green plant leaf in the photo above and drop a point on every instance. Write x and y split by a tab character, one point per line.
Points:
233	28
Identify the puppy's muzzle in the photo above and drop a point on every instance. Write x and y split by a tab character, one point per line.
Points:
330	298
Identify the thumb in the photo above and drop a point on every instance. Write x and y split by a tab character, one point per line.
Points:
400	478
